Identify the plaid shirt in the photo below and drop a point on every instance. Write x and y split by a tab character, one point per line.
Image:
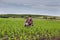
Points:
29	21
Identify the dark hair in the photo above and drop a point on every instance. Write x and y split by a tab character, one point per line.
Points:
29	16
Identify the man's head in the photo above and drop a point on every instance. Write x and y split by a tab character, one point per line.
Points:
29	17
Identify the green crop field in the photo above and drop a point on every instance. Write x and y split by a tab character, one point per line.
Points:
13	29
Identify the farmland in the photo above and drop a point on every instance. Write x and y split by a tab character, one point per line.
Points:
13	29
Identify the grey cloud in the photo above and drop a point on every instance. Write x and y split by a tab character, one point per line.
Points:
32	1
38	3
44	6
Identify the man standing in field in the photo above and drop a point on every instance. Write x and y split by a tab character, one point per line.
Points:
29	21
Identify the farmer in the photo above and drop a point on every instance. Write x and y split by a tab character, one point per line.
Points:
29	21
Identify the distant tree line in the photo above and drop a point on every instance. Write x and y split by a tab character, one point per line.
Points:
16	16
23	16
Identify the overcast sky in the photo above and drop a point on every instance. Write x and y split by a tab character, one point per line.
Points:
42	7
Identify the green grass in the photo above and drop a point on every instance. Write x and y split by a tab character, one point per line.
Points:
13	29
